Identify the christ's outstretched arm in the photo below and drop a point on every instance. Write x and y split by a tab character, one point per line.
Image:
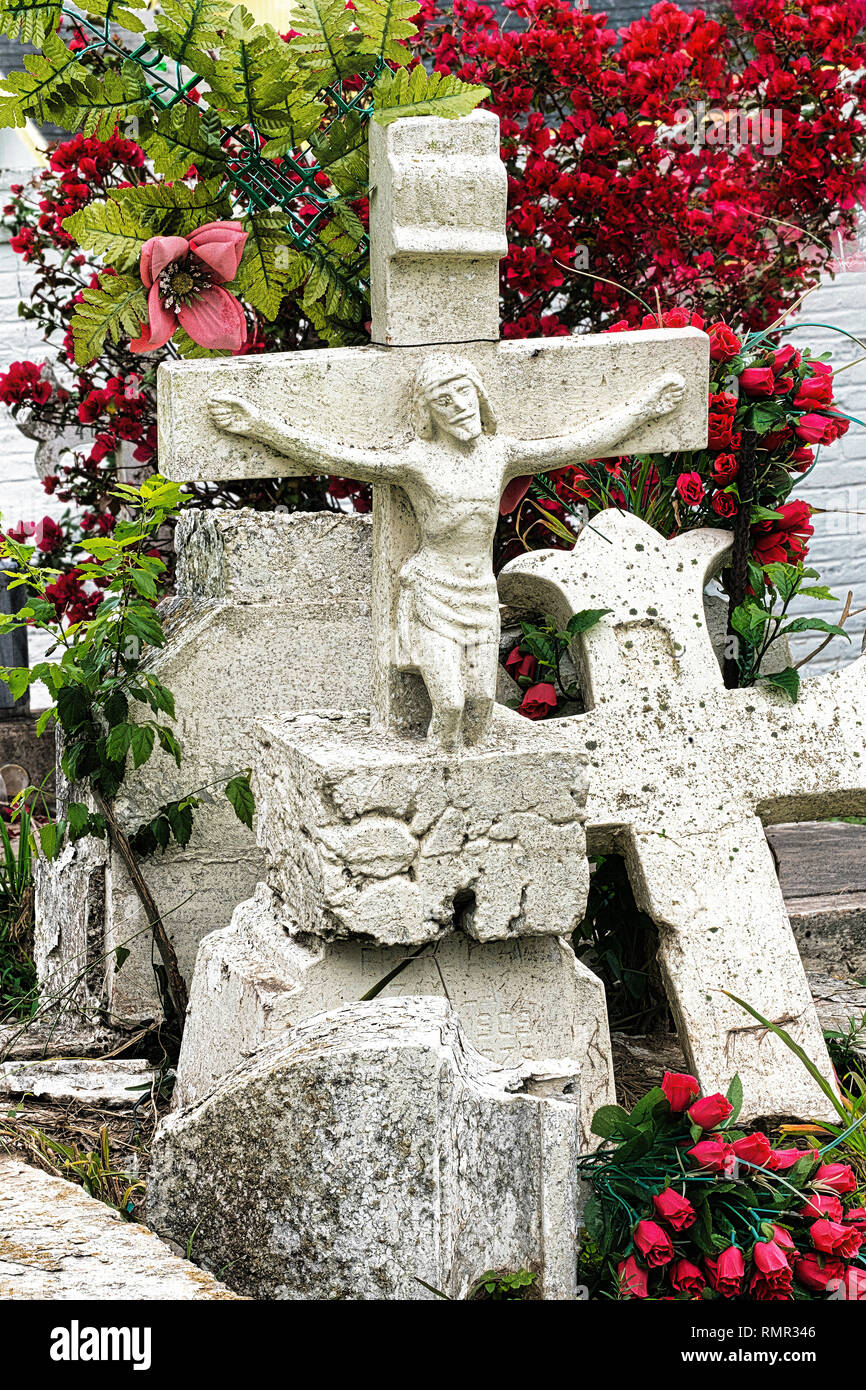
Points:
310	452
599	437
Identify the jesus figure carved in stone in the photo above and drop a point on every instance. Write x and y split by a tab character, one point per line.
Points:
453	471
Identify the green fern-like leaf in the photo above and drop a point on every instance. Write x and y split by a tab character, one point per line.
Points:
188	349
187	29
419	93
386	25
181	136
118	12
116	307
109	100
110	231
323	43
271	267
286	130
174	208
43	91
341	152
256	74
29	20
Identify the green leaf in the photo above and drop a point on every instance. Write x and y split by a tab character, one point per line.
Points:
73	708
18	679
419	93
101	103
256	75
108	229
323	27
43	91
51	838
647	1104
141	743
749	620
118	742
585	619
385	25
180	817
175	208
240	794
121	955
187	29
29	21
115	709
116	308
818	591
182	136
814	625
270	267
608	1120
77	815
168	742
787	680
784	579
735	1097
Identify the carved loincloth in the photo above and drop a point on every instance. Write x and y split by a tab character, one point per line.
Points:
464	611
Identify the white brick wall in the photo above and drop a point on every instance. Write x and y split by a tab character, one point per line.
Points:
838	482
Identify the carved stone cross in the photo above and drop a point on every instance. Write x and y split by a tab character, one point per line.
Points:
438	415
683	776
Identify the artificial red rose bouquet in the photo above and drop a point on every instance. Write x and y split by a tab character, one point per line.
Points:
686	1206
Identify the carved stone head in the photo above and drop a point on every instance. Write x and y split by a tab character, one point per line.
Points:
448	397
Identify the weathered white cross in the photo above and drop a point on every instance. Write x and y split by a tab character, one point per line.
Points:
439	435
683	776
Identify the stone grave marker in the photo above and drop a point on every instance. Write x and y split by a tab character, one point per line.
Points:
684	775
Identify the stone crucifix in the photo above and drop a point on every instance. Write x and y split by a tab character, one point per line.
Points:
684	775
438	415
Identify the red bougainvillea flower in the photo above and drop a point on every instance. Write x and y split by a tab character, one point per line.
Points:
687	1278
819	1274
714	1155
710	1111
654	1243
184	277
632	1279
726	1273
832	1238
676	1210
680	1089
538	701
823	1204
835	1177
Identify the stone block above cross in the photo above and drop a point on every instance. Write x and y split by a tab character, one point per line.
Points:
437	414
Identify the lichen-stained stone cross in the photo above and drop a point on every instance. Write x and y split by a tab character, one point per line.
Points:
438	415
684	774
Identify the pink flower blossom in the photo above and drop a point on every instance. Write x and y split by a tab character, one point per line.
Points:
184	277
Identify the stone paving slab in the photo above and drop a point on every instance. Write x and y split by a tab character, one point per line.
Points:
58	1243
114	1084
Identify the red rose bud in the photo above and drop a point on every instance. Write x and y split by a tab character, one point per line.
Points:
724	343
771	1259
518	664
783	1239
653	1242
724	504
820	429
632	1278
816	1273
725	468
758	381
538	701
766	1290
815	391
687	1278
710	1111
726	1273
691	488
755	1148
835	1177
856	1216
832	1238
781	1160
786	356
714	1155
823	1204
680	1088
676	1210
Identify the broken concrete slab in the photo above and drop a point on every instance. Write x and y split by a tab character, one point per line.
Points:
109	1083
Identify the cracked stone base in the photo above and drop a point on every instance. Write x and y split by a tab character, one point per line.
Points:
371	1153
368	834
522	1003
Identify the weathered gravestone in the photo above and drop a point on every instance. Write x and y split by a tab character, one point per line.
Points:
433	829
684	774
272	611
